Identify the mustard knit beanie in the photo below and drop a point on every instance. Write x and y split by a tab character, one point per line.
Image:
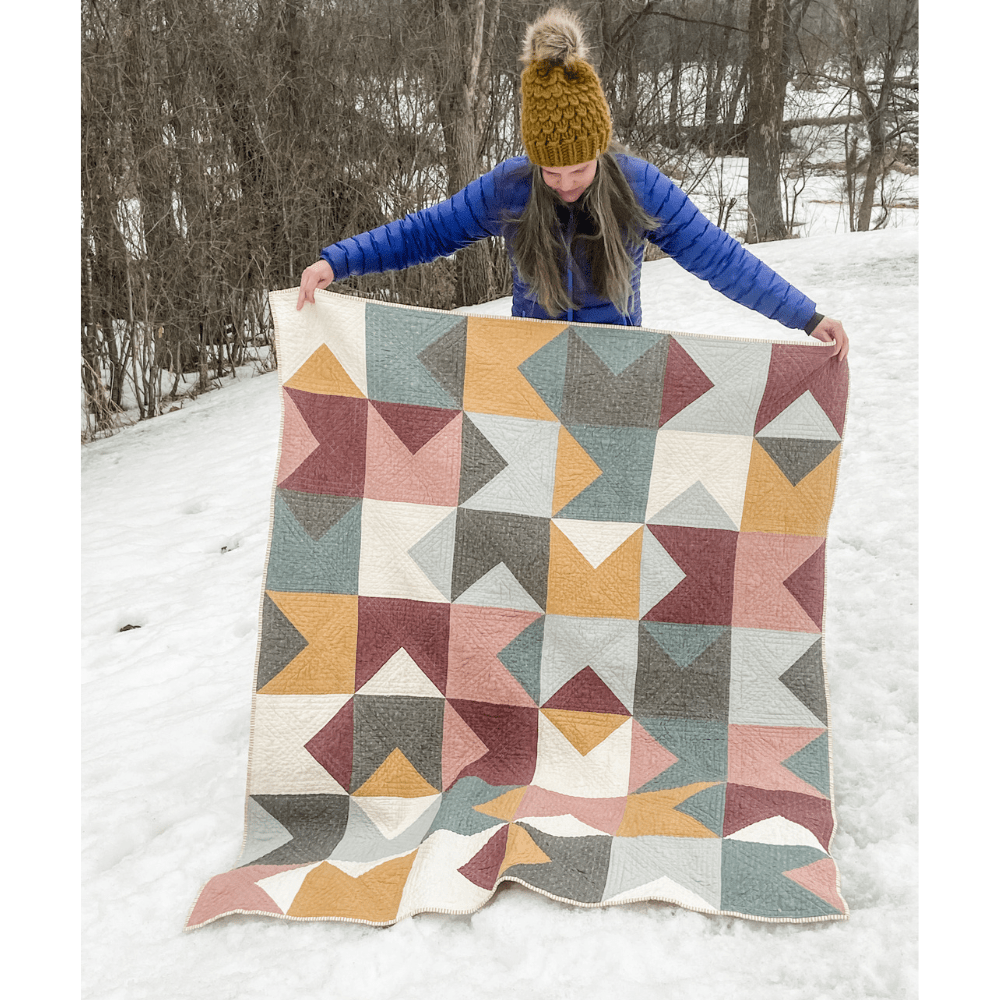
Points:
565	117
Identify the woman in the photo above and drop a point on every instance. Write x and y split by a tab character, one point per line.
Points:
574	213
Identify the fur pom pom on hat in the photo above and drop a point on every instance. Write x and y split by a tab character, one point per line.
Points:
565	117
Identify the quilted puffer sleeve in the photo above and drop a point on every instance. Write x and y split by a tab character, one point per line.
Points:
470	215
712	254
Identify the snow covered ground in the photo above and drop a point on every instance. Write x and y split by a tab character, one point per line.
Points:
174	533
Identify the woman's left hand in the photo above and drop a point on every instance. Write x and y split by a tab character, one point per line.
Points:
832	330
317	275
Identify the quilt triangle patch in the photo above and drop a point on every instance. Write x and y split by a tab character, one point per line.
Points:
479	676
747	806
778	830
619	349
435	553
460	746
328	565
323	374
707	557
297	441
394	341
586	692
796	457
812	764
396	776
625	457
510	733
498	589
400	676
317	512
316	824
754	880
793	370
522	850
481	462
649	758
545	370
281	642
414	425
391	815
708	807
484	538
333	746
806	585
264	833
683	643
386	624
757	756
804	678
804	418
656	814
575	470
596	540
584	730
503	806
599	815
372	896
701	748
444	358
493	381
820	878
695	508
337	465
483	868
658	573
683	382
700	689
522	656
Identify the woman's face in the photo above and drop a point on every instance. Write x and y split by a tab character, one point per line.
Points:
570	182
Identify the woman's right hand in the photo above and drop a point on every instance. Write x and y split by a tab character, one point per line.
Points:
317	275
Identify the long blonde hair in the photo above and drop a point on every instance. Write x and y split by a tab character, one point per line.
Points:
619	223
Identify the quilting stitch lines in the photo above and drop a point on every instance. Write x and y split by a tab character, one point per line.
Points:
542	602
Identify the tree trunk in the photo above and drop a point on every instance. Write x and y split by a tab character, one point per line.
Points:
152	170
733	138
457	66
713	95
673	124
765	110
874	115
795	12
873	124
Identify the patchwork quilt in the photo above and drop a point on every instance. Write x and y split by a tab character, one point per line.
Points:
543	603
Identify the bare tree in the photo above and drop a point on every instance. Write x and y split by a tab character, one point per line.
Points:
765	111
460	62
889	25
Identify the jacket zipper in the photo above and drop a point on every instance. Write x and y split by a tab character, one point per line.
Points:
569	264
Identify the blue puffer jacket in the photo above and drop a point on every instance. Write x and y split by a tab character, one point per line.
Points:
485	206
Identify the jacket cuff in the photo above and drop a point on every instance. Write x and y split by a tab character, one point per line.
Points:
337	259
817	318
